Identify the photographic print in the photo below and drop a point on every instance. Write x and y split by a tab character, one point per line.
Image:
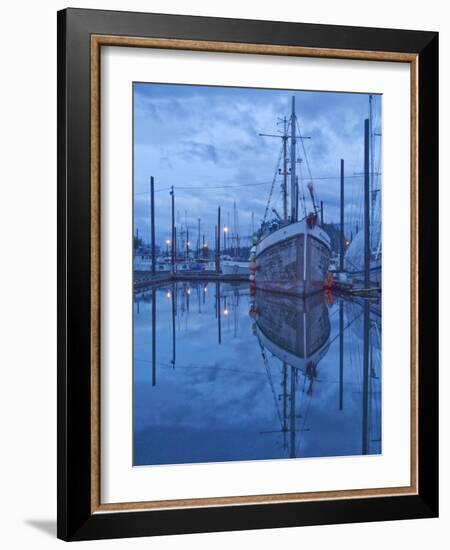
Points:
257	274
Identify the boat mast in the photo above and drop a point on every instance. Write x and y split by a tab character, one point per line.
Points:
285	172
293	161
367	226
372	194
236	230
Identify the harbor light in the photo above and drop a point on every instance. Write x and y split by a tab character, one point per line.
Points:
225	311
169	295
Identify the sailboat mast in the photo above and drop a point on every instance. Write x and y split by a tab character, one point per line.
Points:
293	162
372	186
285	172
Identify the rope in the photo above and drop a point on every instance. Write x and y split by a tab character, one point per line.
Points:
269	376
273	185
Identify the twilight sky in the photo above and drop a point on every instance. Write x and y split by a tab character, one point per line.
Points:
204	140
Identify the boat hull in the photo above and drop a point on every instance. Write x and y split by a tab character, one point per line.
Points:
375	273
230	267
293	260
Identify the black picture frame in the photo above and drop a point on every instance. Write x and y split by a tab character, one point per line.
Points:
75	519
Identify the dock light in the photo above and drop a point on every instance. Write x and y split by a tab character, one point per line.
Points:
205	289
169	295
225	311
347	243
225	229
188	290
168	241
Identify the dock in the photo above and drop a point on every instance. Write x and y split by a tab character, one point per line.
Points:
144	279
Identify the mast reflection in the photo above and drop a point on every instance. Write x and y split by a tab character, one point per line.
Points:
297	332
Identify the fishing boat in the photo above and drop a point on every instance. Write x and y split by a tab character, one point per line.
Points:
292	256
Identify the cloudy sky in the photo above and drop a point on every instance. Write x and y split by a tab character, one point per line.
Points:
205	142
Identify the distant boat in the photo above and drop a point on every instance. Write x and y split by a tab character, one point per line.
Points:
354	261
334	264
142	263
210	265
293	256
235	267
354	255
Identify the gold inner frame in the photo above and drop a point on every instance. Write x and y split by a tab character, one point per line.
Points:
97	41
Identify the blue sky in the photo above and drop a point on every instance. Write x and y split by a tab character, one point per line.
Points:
205	140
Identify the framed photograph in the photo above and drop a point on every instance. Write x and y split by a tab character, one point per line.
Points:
247	286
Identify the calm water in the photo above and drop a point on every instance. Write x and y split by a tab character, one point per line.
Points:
221	376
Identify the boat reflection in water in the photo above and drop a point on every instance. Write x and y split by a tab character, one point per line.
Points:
295	330
294	378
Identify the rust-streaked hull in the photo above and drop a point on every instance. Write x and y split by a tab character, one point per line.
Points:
293	260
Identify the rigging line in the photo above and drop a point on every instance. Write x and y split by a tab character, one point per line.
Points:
302	188
156	191
273	184
269	376
302	429
308	167
203	188
345	328
204	367
304	152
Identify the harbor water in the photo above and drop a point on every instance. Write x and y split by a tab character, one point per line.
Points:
220	375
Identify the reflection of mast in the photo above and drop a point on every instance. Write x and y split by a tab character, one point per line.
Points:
292	409
174	313
153	337
292	415
341	354
236	313
219	327
284	426
365	404
297	332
